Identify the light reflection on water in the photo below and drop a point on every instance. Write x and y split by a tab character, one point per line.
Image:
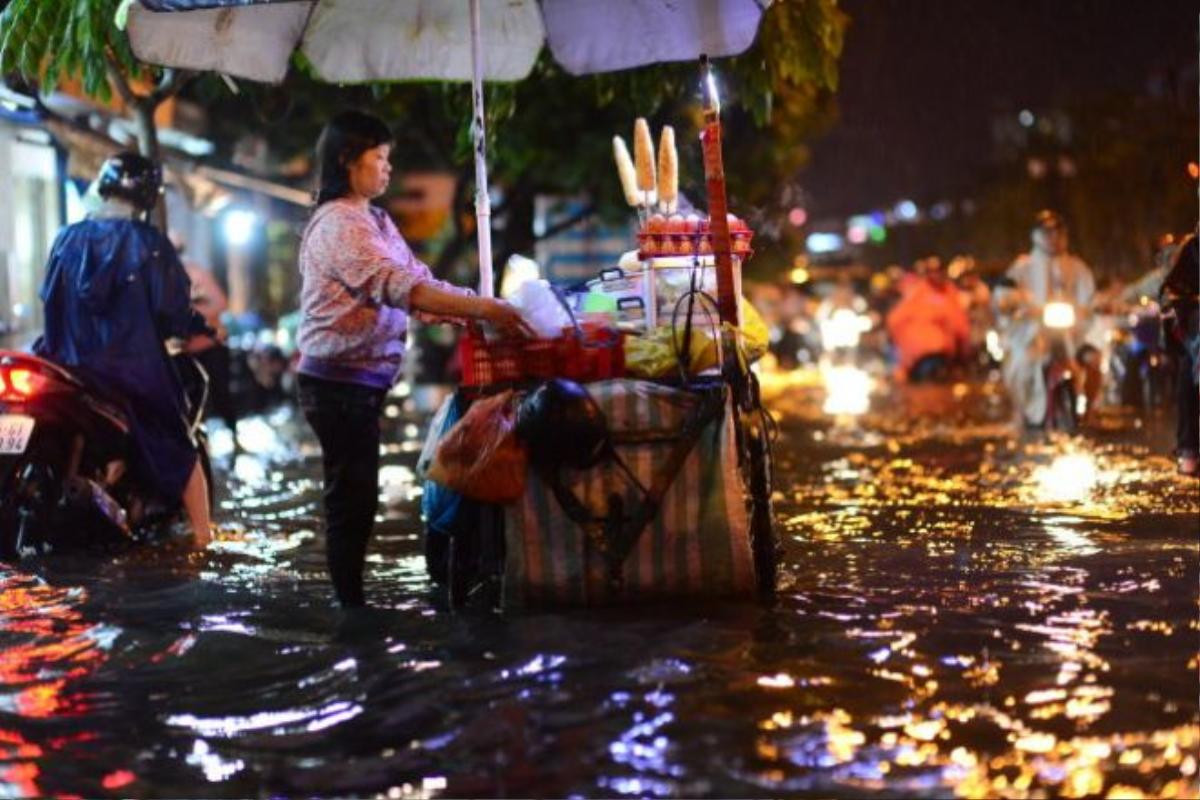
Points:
964	614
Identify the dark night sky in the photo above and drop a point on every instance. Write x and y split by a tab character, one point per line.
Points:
922	79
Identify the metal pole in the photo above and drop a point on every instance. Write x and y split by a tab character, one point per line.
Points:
483	203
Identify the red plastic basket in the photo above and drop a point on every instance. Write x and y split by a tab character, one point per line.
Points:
485	363
587	355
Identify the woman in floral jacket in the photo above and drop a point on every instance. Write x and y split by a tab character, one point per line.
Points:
360	284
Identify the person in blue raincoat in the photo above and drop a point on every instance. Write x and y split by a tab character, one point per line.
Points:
114	291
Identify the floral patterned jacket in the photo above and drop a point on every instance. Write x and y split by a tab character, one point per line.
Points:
357	276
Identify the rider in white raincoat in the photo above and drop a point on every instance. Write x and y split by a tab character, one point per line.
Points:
1048	273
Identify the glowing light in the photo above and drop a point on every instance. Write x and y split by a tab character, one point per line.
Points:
231	726
238	226
712	90
1026	118
117	779
844	328
779	681
878	234
799	275
995	350
848	391
906	210
1036	742
1070	478
1193	170
798	216
857	234
1058	315
24	382
1072	541
215	768
824	242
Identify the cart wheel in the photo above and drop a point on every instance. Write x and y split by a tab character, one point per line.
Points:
763	542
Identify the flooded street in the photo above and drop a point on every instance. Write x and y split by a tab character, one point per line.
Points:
962	613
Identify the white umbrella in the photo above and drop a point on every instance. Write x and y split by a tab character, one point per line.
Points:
353	41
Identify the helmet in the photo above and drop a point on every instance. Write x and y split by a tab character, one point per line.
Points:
961	266
131	177
1049	219
563	426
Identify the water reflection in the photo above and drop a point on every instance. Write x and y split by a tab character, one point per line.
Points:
847	390
966	613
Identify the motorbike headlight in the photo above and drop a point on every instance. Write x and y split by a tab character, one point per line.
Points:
1058	315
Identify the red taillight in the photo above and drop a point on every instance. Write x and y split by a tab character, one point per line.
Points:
23	381
20	383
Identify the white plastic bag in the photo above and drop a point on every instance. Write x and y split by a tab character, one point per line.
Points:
541	308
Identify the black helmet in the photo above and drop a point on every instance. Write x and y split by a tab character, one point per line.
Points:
563	426
1048	219
131	177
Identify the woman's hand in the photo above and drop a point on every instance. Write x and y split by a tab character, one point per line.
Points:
506	319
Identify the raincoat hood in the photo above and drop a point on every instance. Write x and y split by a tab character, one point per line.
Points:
109	257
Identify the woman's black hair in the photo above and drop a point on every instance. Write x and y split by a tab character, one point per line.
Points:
345	137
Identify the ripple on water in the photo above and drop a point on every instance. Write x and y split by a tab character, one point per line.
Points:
966	614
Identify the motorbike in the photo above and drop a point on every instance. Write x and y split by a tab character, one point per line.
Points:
59	437
1065	404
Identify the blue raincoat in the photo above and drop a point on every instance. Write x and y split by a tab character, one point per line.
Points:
114	291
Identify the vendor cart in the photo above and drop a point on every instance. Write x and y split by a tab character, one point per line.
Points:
675	502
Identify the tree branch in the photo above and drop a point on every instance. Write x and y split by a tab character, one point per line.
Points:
73	124
118	80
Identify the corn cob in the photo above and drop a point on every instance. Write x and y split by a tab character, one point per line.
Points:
668	171
626	172
643	159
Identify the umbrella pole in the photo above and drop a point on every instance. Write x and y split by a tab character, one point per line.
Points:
483	203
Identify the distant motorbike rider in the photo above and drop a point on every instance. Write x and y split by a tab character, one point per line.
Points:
976	300
1048	273
929	326
114	291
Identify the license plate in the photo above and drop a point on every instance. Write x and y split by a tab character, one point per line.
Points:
15	430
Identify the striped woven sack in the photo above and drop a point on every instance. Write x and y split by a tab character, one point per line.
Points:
697	545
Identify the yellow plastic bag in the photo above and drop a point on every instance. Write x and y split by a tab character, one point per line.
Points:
653	356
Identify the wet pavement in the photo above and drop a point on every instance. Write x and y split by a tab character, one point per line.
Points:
962	613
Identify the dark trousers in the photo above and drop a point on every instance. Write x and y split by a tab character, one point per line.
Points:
345	417
1187	428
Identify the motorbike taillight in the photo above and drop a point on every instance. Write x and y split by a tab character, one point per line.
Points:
20	384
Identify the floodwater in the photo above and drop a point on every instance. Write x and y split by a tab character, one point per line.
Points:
962	613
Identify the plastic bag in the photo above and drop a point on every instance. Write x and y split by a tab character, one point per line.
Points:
653	356
541	308
480	457
448	413
441	508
